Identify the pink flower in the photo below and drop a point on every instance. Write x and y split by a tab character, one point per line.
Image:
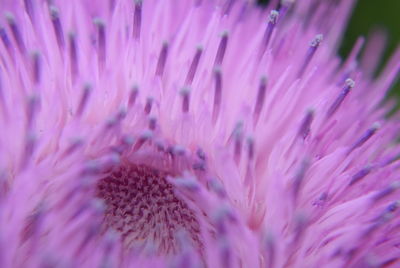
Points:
190	133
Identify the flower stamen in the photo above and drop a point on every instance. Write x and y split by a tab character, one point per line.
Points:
57	26
272	20
349	84
73	55
365	137
149	105
101	46
223	43
194	65
217	94
310	53
262	89
87	89
162	59
305	127
137	19
16	33
185	93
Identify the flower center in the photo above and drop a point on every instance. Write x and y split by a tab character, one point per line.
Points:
141	205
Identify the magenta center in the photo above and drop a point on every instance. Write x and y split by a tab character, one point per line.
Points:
141	205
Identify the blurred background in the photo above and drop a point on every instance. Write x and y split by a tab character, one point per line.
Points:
370	14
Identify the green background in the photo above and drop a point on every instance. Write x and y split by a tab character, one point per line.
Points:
367	15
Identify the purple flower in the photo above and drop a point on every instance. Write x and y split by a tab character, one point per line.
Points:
190	133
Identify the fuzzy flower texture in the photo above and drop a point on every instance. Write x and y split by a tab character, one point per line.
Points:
194	133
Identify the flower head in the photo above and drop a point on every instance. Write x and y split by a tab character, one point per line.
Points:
193	134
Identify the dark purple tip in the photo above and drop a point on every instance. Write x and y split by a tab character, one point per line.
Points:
217	94
237	142
137	19
390	209
5	39
73	55
250	148
57	27
152	123
149	104
201	154
262	89
162	59
365	137
193	66
121	114
223	43
84	100
36	70
360	175
29	149
32	107
116	119
299	177
101	36
185	93
16	33
133	96
386	191
305	127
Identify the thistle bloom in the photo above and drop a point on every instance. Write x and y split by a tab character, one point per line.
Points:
188	133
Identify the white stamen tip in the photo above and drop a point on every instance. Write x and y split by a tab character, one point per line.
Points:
185	91
317	40
376	125
350	83
98	22
273	16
